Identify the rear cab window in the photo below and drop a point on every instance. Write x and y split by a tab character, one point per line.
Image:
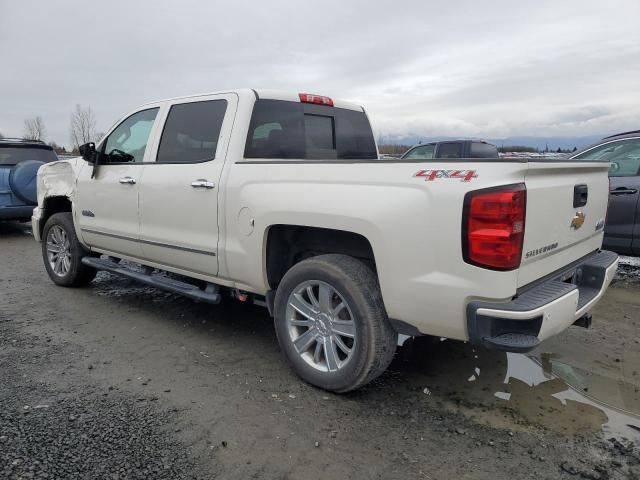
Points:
289	130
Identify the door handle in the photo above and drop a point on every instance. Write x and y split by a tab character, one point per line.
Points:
128	181
624	191
202	183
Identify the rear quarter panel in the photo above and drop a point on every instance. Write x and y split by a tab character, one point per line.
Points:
413	225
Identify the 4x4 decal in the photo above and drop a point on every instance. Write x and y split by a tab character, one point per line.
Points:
463	175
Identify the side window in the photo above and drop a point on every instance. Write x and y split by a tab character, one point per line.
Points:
450	150
421	153
483	150
127	143
191	132
624	156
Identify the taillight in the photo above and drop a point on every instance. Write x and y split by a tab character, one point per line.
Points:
493	227
318	99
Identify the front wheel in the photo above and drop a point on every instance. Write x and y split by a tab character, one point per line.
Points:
331	322
62	252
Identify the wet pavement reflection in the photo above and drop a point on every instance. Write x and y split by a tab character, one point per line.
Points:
513	391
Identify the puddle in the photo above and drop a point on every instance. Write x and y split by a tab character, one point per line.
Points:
613	404
515	391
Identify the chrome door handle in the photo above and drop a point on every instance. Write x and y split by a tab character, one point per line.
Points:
624	191
202	183
128	181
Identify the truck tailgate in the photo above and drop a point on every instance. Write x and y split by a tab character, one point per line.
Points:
566	209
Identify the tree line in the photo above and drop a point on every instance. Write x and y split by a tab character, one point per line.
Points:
82	129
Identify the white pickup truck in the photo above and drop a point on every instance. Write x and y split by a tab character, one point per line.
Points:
281	199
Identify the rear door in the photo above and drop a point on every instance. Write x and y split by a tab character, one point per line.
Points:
622	233
179	195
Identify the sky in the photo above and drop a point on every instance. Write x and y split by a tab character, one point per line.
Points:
487	69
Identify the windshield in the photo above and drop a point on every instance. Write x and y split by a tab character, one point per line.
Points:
15	155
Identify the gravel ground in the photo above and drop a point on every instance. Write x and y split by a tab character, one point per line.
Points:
122	381
78	429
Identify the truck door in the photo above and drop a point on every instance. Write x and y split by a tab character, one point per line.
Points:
180	193
107	194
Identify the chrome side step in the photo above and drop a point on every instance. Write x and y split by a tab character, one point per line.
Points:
210	294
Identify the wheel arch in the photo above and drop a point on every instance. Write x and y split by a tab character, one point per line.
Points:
287	244
52	205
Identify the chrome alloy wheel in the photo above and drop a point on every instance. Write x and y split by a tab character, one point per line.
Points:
59	250
321	326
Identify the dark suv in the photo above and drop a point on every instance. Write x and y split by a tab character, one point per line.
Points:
19	163
622	230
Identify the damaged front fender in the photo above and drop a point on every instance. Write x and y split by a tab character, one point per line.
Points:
55	180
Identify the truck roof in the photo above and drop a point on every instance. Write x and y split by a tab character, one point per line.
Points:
266	94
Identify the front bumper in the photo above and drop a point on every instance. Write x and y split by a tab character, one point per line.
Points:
35	223
544	308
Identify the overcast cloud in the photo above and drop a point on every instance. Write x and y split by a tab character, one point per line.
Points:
469	68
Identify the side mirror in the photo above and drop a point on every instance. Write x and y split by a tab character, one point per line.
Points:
88	152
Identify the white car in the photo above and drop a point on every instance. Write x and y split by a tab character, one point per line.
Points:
281	198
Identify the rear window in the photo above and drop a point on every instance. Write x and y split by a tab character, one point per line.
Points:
290	130
15	155
483	150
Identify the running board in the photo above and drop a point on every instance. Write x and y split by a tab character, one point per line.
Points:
209	295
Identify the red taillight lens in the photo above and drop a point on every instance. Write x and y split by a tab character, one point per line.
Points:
320	100
493	227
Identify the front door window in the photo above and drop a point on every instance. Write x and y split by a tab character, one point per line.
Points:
128	142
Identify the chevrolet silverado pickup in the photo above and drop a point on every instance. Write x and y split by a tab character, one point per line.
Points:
281	199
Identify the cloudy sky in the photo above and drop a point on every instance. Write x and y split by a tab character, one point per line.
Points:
470	68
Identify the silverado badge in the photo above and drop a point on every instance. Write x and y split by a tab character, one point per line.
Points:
578	220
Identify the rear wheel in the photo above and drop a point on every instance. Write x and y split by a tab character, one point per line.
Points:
331	322
62	252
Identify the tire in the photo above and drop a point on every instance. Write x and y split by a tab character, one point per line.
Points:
69	271
333	360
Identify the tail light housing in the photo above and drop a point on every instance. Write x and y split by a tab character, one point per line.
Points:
493	227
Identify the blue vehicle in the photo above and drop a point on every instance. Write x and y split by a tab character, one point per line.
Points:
19	163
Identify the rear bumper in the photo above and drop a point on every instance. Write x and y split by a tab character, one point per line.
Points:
543	309
13	213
